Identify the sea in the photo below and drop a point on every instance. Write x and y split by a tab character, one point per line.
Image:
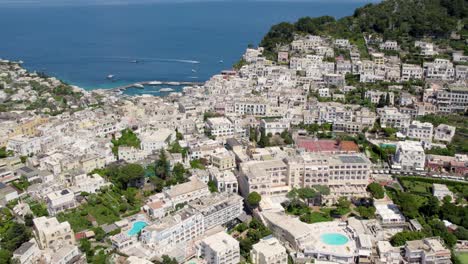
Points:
183	41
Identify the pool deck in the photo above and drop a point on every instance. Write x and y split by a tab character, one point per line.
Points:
317	245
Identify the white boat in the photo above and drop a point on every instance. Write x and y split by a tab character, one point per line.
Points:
173	83
193	70
221	61
166	90
110	76
138	85
155	83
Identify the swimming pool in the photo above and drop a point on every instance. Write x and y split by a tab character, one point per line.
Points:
136	228
334	239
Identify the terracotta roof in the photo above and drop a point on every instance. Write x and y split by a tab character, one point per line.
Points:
349	146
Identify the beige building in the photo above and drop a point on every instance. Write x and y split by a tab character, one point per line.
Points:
269	250
50	233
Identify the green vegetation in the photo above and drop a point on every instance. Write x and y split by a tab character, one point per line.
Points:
105	208
12	235
462	257
416	202
128	139
249	235
212	186
366	212
164	176
253	199
398	20
376	190
4	153
198	164
238	65
124	176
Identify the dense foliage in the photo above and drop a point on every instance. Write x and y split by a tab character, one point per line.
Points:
399	20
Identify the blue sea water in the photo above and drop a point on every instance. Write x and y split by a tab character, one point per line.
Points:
171	41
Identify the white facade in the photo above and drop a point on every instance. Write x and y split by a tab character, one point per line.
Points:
444	133
274	126
409	156
421	131
59	201
219	248
220	127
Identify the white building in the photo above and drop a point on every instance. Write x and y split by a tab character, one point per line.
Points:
269	250
220	127
389	45
421	131
427	251
409	156
388	254
59	201
131	154
27	253
251	107
225	181
444	133
276	126
155	140
88	183
24	146
187	191
411	72
389	214
219	248
218	208
391	117
375	96
440	69
427	49
173	231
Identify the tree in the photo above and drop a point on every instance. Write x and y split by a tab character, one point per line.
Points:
130	175
212	186
461	233
162	167
85	246
381	102
253	199
264	140
28	220
366	212
179	172
165	259
408	204
306	193
431	207
399	239
15	235
5	256
376	190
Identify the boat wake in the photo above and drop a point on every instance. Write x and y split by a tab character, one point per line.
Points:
133	59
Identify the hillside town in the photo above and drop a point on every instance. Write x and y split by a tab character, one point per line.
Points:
333	152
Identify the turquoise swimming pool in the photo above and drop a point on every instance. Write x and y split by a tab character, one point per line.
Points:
136	228
334	239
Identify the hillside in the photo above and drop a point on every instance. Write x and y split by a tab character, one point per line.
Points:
401	20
